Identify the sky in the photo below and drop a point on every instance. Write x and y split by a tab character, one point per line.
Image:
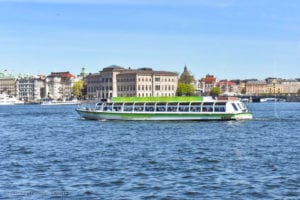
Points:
231	39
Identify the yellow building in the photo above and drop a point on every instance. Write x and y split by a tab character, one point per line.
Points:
145	82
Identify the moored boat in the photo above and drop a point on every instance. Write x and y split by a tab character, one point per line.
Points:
268	99
47	102
6	99
167	108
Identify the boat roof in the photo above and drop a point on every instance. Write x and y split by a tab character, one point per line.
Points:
158	99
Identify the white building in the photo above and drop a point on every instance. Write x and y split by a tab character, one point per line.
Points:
59	85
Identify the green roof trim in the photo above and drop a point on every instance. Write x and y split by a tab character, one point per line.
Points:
158	99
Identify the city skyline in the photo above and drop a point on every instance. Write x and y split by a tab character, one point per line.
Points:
227	38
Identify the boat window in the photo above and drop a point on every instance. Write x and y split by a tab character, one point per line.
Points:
149	107
195	107
172	107
239	106
107	107
117	106
128	107
139	107
234	106
161	107
183	107
99	106
243	107
220	107
207	107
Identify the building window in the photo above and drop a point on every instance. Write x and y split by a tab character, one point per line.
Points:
157	87
157	79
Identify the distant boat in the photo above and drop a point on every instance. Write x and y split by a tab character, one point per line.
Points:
167	108
6	99
59	102
270	99
245	100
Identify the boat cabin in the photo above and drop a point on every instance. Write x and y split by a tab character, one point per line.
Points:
216	106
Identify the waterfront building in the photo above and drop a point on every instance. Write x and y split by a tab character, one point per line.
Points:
39	85
26	88
145	82
256	87
228	88
108	81
206	84
114	81
290	87
92	82
274	86
82	74
8	83
59	85
240	86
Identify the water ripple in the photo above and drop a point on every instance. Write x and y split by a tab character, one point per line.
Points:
50	153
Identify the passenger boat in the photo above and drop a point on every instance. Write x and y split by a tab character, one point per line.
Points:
167	108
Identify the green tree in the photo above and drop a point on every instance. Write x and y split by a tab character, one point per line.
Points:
78	89
186	84
216	91
186	77
185	89
180	89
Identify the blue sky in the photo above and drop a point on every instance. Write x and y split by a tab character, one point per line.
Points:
228	38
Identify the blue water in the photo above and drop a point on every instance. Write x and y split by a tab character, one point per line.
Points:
48	152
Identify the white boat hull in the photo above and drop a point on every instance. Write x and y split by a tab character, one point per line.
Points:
160	116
